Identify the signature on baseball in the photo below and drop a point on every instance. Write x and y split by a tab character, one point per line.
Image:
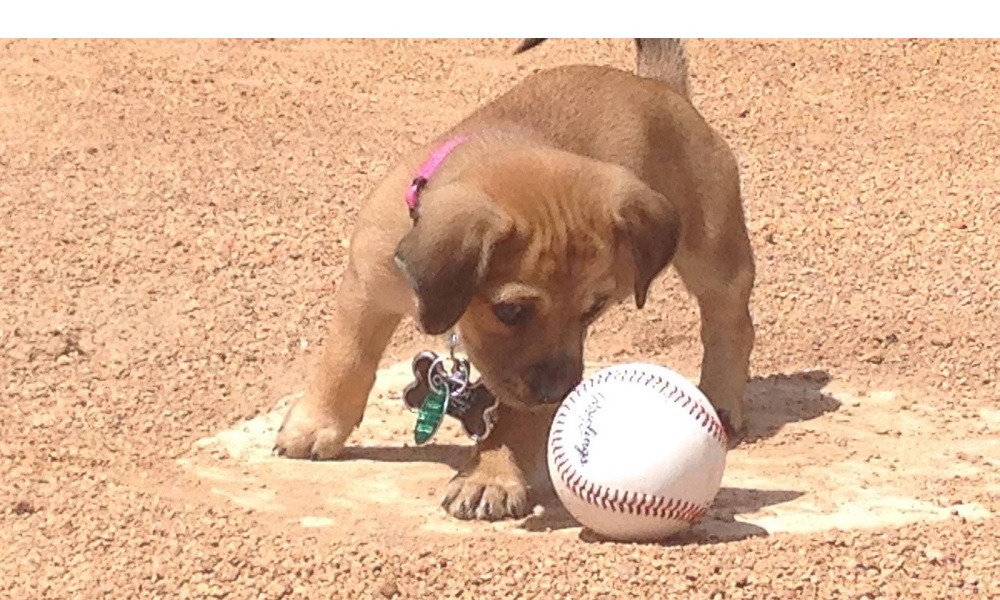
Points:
587	430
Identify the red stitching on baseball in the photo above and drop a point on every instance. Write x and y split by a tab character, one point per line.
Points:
623	501
633	503
708	420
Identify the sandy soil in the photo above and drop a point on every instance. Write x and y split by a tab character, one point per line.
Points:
174	216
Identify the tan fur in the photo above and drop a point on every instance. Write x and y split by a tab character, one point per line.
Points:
579	186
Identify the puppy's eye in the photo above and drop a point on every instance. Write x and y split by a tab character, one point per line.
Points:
513	314
594	310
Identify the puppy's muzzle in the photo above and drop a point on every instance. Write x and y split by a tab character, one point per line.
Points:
552	380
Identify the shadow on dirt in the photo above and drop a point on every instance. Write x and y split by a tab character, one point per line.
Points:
718	526
453	455
772	402
777	400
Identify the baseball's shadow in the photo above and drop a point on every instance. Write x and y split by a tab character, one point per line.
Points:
718	526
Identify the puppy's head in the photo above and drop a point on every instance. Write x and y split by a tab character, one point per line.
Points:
523	253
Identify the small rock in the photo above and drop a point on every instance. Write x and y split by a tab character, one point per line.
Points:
933	554
941	341
874	358
389	589
23	507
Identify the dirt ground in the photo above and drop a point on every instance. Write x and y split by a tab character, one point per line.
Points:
174	217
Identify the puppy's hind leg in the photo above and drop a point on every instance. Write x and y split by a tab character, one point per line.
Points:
721	277
318	425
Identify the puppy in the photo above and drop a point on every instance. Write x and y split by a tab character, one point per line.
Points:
517	229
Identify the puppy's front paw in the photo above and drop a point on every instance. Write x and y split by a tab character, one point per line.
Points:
487	498
309	433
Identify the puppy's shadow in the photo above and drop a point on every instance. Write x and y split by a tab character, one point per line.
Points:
779	399
452	455
719	525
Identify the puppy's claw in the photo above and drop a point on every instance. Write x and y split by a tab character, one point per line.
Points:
468	500
733	433
461	502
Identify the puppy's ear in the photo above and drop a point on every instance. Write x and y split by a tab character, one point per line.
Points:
446	254
649	226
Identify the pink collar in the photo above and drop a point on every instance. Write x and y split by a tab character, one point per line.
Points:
427	170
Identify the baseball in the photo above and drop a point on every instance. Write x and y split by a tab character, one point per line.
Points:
636	453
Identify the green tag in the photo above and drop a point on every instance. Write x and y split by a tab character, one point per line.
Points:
431	415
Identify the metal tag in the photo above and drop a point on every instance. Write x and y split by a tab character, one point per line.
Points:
437	391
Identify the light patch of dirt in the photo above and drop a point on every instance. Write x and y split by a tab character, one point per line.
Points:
884	463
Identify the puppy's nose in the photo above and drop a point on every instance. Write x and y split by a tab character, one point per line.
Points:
552	380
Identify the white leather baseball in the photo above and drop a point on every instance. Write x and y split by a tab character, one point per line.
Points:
636	452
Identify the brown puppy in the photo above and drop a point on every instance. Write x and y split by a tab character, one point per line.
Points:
573	191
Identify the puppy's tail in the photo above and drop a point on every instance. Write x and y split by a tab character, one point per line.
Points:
663	59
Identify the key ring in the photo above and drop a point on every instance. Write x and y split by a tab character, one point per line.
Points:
439	378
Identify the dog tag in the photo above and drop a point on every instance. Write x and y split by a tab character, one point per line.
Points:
435	392
475	409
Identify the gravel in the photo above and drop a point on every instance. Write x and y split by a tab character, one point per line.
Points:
174	216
